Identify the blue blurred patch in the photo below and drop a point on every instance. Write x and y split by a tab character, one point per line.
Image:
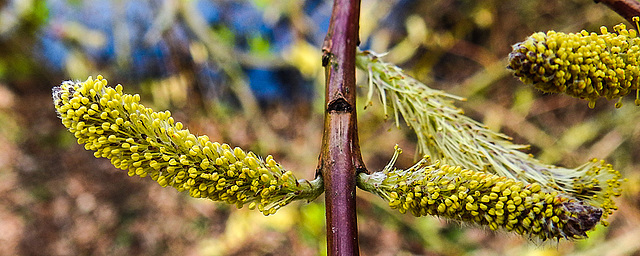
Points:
148	60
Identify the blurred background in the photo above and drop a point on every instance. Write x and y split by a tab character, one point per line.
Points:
248	73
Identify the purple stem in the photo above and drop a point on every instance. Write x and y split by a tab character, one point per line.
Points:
340	157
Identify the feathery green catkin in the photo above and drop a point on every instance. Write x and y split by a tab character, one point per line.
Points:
146	143
481	198
582	65
447	135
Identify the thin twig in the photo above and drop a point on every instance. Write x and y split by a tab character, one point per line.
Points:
626	8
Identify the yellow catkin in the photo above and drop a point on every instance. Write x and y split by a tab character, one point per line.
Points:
146	143
484	199
447	135
582	65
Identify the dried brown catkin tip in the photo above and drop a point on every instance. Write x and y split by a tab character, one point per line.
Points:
582	65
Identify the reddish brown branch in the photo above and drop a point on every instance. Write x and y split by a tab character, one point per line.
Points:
340	155
626	8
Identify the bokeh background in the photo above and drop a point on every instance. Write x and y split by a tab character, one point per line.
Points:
248	73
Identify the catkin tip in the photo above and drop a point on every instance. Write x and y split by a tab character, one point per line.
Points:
582	219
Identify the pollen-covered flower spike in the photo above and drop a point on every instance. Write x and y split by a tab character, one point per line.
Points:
582	65
448	136
146	143
481	198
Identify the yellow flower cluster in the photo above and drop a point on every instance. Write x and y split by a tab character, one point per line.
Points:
583	65
146	143
482	198
447	135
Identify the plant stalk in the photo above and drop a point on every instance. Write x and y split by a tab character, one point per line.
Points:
625	8
340	157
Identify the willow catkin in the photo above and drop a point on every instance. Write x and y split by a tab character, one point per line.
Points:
482	198
146	143
582	65
448	136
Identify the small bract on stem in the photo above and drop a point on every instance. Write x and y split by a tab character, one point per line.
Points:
146	143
